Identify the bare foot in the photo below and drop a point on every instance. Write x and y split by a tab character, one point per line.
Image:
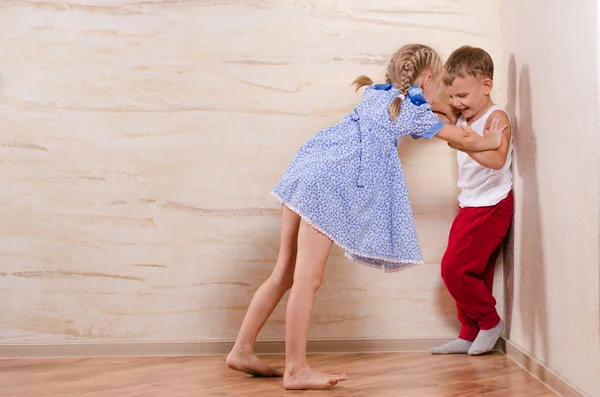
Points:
309	379
250	364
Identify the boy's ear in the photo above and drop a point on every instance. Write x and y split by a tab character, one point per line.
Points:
488	84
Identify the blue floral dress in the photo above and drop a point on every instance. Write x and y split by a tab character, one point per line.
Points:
348	183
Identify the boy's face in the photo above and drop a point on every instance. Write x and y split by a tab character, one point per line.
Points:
469	94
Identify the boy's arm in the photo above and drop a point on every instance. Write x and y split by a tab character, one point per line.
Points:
494	159
468	140
424	123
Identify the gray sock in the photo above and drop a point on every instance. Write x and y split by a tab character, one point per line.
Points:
486	340
458	346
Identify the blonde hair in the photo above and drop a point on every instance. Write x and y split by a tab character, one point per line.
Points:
468	61
404	68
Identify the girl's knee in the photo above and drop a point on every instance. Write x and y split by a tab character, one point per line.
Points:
283	273
309	281
284	279
316	282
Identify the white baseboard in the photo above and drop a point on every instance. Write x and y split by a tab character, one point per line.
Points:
541	372
201	348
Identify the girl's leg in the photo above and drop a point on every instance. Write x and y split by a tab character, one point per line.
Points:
266	298
313	249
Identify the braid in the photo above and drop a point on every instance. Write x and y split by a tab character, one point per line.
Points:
406	66
403	69
412	67
406	75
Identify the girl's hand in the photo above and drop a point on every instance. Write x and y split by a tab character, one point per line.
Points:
446	110
465	128
443	118
450	115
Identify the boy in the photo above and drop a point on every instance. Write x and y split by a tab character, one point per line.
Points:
485	205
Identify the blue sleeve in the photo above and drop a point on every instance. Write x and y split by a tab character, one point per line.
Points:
427	128
422	122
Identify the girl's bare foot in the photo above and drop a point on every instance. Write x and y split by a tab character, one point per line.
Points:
250	364
309	379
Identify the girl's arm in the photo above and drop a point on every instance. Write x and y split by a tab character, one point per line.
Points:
443	118
447	110
494	159
469	140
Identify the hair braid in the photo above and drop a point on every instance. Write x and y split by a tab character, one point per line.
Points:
405	66
408	63
411	68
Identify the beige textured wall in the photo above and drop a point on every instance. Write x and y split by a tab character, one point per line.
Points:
553	278
140	141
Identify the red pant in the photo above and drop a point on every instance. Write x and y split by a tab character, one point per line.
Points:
469	261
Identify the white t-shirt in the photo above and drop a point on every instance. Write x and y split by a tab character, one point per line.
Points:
481	186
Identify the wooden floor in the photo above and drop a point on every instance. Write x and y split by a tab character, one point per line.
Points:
370	375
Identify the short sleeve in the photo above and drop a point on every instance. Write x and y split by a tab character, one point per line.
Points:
422	122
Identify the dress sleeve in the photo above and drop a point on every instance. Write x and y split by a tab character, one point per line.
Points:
422	122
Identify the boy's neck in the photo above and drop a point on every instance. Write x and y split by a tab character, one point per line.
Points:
488	104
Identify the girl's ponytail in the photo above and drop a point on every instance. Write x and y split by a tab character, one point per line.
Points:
395	107
362	81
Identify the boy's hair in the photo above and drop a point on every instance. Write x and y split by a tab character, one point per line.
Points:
403	69
468	61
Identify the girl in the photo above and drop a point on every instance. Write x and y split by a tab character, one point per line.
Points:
346	186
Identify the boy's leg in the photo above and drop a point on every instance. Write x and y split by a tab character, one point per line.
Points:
470	328
313	250
491	329
488	273
266	298
459	233
473	243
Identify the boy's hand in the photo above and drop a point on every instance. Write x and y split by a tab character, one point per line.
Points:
495	130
